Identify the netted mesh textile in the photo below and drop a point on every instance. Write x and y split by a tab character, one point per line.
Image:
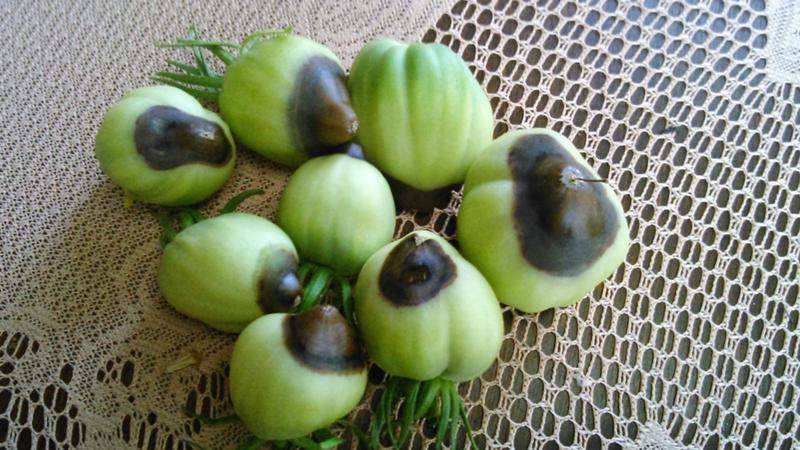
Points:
692	343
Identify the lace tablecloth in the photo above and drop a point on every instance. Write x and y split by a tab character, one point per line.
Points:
690	109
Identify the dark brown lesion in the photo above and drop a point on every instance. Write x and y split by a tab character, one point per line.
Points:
409	198
279	287
320	109
167	138
415	271
563	219
322	340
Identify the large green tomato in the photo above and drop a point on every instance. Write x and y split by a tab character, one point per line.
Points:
162	147
286	98
538	222
294	374
338	210
229	270
423	117
424	312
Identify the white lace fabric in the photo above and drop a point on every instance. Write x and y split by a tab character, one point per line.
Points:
693	342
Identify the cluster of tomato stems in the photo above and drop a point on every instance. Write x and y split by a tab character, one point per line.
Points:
201	80
410	400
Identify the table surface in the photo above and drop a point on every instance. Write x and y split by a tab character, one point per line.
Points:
692	343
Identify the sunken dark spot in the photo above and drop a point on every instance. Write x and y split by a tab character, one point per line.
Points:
407	197
415	272
167	137
280	289
322	340
320	108
563	225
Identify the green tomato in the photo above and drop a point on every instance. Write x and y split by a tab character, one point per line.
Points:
538	222
423	117
338	211
229	270
294	374
425	312
162	147
286	98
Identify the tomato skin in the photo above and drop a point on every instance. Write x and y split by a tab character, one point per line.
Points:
215	270
286	98
423	117
454	335
179	184
338	211
576	246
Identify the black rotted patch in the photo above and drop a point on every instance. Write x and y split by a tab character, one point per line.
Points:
322	340
167	137
320	108
279	287
563	224
407	197
415	272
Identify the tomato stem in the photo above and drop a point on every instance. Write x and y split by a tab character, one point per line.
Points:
200	80
265	34
430	392
360	435
185	218
413	401
168	229
455	409
408	409
444	418
315	289
238	199
187	360
205	420
193	444
346	298
190	216
317	281
251	444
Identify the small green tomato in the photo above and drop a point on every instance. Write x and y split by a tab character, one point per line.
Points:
338	211
294	374
425	312
538	222
229	270
286	98
162	147
423	118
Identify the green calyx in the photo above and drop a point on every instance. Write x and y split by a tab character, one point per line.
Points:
200	79
404	402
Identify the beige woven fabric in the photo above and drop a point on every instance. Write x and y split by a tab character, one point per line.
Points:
693	343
